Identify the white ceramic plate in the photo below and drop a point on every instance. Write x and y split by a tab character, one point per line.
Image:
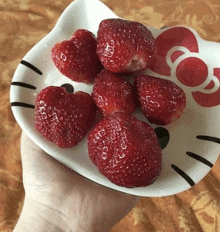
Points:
191	145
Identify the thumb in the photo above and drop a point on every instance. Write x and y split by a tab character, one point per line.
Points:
37	164
33	158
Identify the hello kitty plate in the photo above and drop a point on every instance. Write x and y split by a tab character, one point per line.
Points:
190	145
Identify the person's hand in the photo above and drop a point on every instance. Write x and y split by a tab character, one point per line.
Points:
58	199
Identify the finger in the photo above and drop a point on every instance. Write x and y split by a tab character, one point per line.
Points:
37	162
31	154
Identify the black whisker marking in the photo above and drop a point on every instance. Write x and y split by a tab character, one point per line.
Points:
183	174
22	104
208	138
22	84
31	66
199	158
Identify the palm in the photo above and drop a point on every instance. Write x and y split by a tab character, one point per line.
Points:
49	182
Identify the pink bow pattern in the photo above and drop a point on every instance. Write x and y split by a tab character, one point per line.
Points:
177	55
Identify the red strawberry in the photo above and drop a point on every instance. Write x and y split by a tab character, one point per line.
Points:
77	57
63	118
112	93
125	150
162	101
124	46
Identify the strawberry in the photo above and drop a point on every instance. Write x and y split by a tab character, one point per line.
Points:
112	93
125	46
76	58
125	150
63	118
162	101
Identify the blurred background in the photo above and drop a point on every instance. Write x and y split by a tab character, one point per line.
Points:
24	23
